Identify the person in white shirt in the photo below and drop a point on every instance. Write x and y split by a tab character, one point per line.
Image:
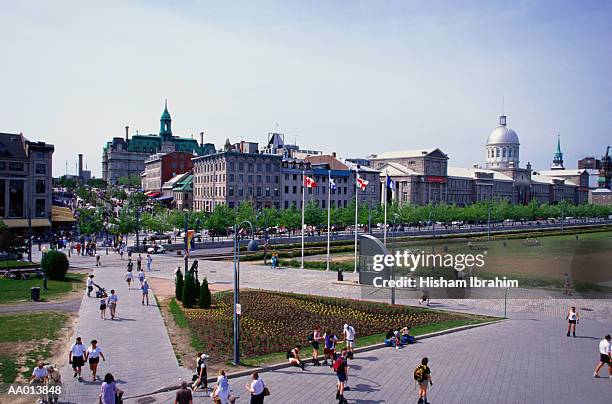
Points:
149	262
572	318
605	353
112	303
256	388
221	392
39	378
349	337
92	355
75	357
90	285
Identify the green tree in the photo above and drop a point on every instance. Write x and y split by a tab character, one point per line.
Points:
91	221
245	211
97	183
220	219
205	297
291	218
55	264
189	296
178	285
133	181
313	215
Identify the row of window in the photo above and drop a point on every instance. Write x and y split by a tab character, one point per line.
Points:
503	152
16	195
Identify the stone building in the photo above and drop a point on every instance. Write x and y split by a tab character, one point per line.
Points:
236	174
160	167
25	182
125	157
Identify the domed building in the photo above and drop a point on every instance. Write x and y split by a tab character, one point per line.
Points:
502	147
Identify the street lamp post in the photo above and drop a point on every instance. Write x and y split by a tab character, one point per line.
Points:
251	247
137	229
395	219
186	241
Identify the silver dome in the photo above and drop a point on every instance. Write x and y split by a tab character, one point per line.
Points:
503	134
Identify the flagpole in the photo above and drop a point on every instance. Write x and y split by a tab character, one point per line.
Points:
357	187
303	198
385	201
328	214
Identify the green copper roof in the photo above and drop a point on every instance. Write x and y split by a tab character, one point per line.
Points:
185	184
166	115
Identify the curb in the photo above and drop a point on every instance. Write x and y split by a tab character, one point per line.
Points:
284	365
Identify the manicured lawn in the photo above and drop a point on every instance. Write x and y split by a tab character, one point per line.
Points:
27	338
12	290
8	264
273	322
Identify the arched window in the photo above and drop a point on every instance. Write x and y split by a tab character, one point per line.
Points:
510	152
497	152
504	152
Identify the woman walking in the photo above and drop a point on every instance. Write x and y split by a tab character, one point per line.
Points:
221	392
103	306
141	277
256	388
572	319
112	303
129	276
315	341
201	373
92	355
145	292
109	391
54	380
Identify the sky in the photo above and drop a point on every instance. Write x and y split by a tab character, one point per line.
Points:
352	77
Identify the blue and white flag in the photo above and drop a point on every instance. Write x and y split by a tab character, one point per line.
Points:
390	183
332	184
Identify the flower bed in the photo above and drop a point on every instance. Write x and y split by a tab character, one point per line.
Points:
271	322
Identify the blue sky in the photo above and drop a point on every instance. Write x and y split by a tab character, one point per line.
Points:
352	77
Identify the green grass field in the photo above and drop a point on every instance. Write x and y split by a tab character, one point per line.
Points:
8	264
26	338
19	290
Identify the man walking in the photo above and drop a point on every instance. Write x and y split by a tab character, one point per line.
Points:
149	262
605	355
75	357
183	395
349	337
340	366
90	285
139	263
145	292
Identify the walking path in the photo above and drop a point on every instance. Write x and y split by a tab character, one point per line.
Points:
136	345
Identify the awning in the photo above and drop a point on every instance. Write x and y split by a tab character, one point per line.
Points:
152	194
164	198
61	214
13	223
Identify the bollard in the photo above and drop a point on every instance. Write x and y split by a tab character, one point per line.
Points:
106	250
340	276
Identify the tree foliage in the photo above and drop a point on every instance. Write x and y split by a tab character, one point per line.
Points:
205	295
55	264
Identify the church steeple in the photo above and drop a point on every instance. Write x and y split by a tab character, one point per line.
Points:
558	156
165	128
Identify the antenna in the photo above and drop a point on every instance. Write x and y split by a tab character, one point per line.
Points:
503	109
276	128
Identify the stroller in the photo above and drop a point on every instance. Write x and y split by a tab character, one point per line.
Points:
100	292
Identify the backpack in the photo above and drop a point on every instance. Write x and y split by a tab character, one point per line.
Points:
310	337
290	354
337	363
420	373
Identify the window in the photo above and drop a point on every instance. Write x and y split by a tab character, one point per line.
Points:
231	177
241	166
2	165
267	192
16	198
259	179
231	166
41	168
40	155
286	189
258	191
15	166
41	187
41	206
240	192
230	191
250	167
294	189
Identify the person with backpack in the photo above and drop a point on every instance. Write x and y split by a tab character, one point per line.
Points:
201	376
572	318
349	336
422	375
340	366
314	340
329	349
294	357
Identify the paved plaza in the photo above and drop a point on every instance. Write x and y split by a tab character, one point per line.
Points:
525	359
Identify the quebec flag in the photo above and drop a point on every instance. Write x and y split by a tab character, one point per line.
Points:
332	184
390	183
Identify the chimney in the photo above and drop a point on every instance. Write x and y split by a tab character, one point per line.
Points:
475	165
127	133
80	173
334	154
201	139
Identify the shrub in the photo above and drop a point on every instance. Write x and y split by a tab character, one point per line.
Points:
178	285
54	264
189	295
196	288
205	297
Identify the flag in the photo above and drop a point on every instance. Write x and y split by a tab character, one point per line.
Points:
332	184
390	183
309	182
361	183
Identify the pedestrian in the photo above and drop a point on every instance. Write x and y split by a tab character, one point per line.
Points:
422	375
98	263
566	284
75	357
130	265
128	277
109	393
605	356
221	391
112	303
54	383
39	379
139	263
315	339
349	336
121	251
145	292
183	395
201	376
92	355
78	248
256	388
572	319
329	348
294	357
141	277
129	252
103	306
149	262
340	366
90	285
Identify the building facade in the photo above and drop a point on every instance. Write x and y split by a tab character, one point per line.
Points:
160	167
25	182
125	157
